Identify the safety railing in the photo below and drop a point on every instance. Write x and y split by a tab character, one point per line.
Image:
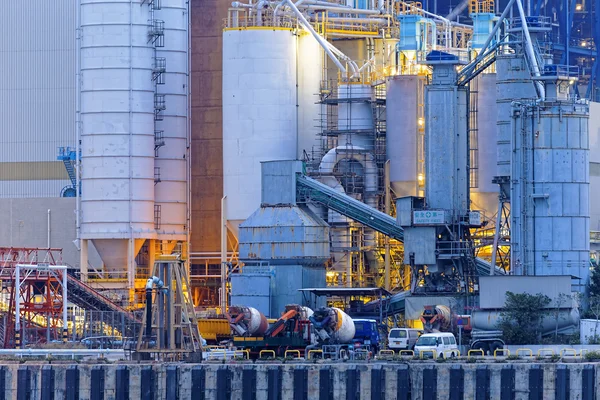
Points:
503	352
47	353
565	353
476	353
311	353
245	354
524	353
482	6
423	352
409	353
451	353
291	353
545	353
266	354
240	19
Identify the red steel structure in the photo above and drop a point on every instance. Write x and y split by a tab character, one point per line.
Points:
40	295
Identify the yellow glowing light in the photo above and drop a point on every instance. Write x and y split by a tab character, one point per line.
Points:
572	81
583	44
330	274
421	121
420	178
578	7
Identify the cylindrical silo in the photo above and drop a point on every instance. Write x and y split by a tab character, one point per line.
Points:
355	116
550	189
259	112
310	71
484	193
117	129
172	129
402	133
513	83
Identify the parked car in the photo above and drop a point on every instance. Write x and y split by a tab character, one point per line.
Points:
403	338
440	344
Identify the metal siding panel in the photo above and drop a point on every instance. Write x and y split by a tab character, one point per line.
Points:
37	53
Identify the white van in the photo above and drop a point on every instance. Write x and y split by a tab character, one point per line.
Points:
443	343
403	338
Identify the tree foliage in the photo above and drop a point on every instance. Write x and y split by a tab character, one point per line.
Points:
594	285
521	319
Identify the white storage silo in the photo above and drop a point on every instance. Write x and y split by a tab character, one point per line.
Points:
484	195
172	130
263	92
117	130
402	133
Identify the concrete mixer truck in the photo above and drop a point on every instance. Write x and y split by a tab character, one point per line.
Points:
252	332
334	331
440	318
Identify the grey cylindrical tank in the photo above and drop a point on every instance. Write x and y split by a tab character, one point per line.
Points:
550	190
488	320
513	83
484	194
401	133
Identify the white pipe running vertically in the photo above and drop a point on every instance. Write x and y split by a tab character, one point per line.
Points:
530	52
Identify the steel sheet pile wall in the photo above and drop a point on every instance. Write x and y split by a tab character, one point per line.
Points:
335	381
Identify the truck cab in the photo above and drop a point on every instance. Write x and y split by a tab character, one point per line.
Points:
367	334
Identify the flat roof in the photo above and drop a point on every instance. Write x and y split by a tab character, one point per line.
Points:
341	291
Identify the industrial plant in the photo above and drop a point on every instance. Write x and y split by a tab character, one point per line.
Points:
209	180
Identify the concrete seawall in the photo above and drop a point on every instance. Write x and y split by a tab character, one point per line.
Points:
342	381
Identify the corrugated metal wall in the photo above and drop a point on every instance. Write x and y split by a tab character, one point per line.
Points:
37	93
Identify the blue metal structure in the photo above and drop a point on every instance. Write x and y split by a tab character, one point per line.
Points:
68	155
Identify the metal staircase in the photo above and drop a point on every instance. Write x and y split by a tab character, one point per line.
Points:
68	156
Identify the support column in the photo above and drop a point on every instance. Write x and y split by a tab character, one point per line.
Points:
131	270
223	301
83	259
388	206
151	255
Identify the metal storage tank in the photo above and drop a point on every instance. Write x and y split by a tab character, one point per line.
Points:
172	131
484	194
355	114
401	133
310	70
259	112
550	189
117	130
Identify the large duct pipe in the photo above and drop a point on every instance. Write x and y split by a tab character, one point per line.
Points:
458	10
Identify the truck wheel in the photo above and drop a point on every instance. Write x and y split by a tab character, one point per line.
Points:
481	346
495	346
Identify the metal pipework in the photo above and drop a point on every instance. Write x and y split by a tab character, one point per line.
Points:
149	286
530	52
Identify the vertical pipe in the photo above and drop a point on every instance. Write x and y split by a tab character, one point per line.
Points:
388	206
223	255
83	260
77	117
17	298
48	235
64	305
169	306
160	335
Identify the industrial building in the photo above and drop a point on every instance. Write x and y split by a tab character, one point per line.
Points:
280	145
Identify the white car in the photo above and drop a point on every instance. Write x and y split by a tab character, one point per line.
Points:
403	338
440	345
